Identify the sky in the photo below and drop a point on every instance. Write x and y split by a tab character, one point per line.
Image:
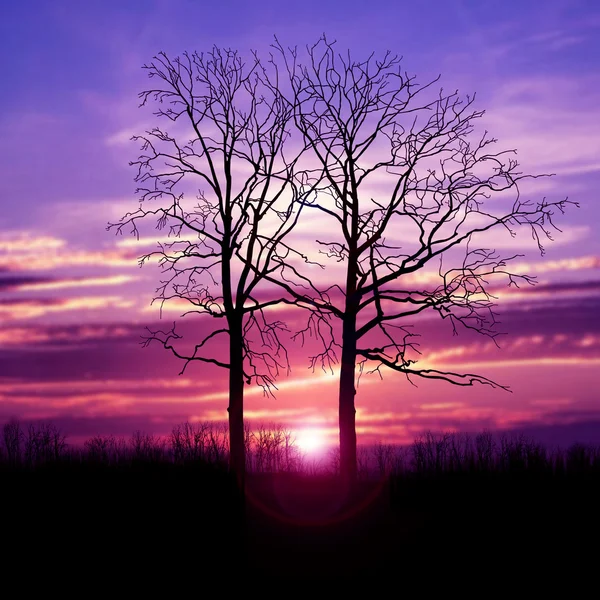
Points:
74	302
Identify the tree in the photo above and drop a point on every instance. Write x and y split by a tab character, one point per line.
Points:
13	437
407	183
236	129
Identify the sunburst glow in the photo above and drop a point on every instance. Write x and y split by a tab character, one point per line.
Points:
310	440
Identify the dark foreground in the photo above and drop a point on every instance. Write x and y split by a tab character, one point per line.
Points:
141	523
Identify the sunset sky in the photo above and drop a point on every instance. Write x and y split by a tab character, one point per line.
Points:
74	303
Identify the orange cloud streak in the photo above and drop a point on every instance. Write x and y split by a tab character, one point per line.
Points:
87	385
77	282
580	263
27	242
71	258
19	310
26	251
542	361
17	336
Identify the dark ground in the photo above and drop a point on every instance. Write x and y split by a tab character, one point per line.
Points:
515	525
152	522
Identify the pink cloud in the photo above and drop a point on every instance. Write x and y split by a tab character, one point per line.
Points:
19	310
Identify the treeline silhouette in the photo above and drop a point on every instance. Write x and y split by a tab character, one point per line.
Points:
273	448
270	448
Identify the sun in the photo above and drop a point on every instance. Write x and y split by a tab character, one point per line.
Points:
310	440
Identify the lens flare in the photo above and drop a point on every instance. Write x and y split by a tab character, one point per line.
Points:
310	440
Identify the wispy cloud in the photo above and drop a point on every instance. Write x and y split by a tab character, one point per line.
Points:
269	415
32	336
527	350
32	308
153	386
31	251
540	361
558	266
29	242
73	258
535	115
441	406
133	242
32	284
99	403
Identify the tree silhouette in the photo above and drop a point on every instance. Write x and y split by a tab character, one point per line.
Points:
248	203
407	184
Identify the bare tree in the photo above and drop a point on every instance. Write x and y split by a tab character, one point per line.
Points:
43	442
146	447
273	449
101	449
13	441
247	204
384	457
406	188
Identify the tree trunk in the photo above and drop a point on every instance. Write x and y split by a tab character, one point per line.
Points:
347	412
237	458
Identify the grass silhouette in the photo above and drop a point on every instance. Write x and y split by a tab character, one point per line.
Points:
446	503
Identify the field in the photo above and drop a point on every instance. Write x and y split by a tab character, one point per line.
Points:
509	508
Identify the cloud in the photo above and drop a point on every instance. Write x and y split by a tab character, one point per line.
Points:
33	308
500	239
28	242
78	428
540	361
30	337
151	386
100	402
72	258
95	397
441	406
122	137
522	351
567	286
552	293
286	385
268	415
14	283
555	39
532	418
579	431
561	265
535	115
133	242
31	251
30	284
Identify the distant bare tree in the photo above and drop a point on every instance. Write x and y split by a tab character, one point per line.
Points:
461	452
406	184
384	457
228	137
101	449
431	452
334	460
146	446
189	441
267	443
273	449
292	458
13	441
218	443
43	442
363	462
485	448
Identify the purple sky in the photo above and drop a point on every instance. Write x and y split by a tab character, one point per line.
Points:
73	302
